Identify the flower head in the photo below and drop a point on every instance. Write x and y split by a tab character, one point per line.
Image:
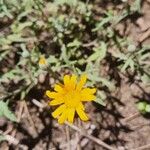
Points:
70	98
42	60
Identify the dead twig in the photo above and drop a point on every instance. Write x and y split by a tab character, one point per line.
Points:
37	103
144	36
68	138
19	113
142	147
11	139
94	139
78	134
10	128
133	116
30	118
92	43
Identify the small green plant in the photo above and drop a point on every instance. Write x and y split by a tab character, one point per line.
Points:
72	36
143	107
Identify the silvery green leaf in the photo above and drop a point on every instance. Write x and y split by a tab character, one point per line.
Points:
100	98
99	54
2	138
4	111
145	78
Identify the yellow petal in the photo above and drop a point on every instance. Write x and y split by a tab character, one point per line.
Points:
73	81
63	117
87	94
58	111
52	94
82	82
42	60
66	80
81	106
71	113
88	97
56	102
82	114
58	88
88	91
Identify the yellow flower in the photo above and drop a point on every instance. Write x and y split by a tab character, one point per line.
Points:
42	60
70	97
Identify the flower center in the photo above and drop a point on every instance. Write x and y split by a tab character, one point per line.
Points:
72	99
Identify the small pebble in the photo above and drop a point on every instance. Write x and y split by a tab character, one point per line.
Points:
84	142
93	126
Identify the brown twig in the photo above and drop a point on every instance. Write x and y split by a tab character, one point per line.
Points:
11	139
94	139
19	113
78	134
30	118
68	138
10	128
133	116
142	147
140	126
92	43
144	36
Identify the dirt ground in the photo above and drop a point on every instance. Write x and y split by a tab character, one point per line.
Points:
119	123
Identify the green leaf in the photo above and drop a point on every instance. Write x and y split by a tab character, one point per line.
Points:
17	28
28	4
128	63
109	84
75	43
141	106
6	11
100	53
100	98
4	111
104	81
64	54
136	6
3	55
145	79
2	138
11	75
147	108
68	2
100	101
104	21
